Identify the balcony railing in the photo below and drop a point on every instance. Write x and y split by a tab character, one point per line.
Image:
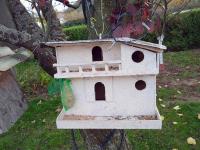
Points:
88	68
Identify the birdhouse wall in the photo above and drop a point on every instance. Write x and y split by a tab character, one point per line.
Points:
121	96
83	53
138	60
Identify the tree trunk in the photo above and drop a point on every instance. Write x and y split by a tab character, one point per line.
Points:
103	139
12	103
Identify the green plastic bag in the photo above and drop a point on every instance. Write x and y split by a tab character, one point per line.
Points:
64	87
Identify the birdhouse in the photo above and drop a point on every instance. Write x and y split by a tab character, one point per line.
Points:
113	83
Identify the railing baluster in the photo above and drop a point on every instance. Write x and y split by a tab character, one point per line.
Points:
120	66
106	68
93	68
80	69
67	69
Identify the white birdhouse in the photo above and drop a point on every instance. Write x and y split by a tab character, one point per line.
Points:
113	83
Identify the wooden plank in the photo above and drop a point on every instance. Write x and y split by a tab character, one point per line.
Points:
10	61
5	51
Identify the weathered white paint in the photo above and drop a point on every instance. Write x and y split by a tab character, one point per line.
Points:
122	98
74	61
83	53
147	66
136	43
108	122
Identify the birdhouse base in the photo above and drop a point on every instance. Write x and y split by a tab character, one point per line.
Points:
71	121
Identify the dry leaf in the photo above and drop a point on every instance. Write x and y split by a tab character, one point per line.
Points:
177	107
160	99
39	103
162	118
58	110
159	87
33	121
191	141
199	116
180	115
162	105
179	92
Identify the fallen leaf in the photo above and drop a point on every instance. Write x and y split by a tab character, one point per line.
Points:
180	115
33	121
175	123
162	117
159	87
163	105
177	107
160	99
179	92
39	103
58	110
184	122
199	116
191	141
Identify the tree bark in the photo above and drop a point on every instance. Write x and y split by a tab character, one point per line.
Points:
25	23
103	139
12	103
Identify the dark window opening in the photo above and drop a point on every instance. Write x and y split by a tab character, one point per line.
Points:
100	92
140	85
138	56
97	54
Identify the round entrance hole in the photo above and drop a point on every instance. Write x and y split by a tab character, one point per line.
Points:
138	56
140	85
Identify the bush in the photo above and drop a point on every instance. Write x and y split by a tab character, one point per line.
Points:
182	31
79	32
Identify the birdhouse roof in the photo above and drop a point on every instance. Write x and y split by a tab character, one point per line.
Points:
126	41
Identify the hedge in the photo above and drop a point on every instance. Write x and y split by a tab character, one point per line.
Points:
182	32
78	32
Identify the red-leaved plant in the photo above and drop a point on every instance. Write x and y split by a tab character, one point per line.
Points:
134	19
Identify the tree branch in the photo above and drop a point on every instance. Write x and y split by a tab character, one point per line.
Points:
23	20
66	3
22	39
54	30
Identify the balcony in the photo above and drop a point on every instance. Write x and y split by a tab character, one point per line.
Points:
80	70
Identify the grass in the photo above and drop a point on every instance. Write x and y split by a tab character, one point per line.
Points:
36	129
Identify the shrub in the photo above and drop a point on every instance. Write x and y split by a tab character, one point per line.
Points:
182	31
79	32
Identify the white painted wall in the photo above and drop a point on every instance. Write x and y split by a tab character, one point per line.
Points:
83	53
122	98
147	66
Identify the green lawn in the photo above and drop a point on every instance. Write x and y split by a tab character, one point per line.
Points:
178	85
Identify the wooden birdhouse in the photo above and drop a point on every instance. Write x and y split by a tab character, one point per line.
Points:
113	83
